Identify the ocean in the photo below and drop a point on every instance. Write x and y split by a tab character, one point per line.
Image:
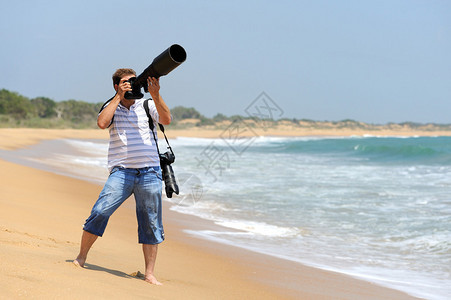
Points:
375	208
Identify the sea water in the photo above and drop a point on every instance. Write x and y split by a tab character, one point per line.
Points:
377	208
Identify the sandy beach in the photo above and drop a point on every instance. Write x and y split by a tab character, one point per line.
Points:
42	215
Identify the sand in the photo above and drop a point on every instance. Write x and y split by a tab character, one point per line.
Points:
41	218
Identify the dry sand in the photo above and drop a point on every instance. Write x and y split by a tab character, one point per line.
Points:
42	215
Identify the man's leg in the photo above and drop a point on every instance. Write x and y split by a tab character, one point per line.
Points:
87	239
150	256
148	212
116	190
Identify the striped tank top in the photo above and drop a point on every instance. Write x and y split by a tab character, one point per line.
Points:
131	141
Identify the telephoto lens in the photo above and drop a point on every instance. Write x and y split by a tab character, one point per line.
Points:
170	183
162	65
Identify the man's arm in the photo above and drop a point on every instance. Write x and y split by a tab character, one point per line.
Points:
107	114
163	110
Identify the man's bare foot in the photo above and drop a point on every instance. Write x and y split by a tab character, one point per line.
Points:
79	262
151	279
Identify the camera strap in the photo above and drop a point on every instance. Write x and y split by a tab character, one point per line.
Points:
152	126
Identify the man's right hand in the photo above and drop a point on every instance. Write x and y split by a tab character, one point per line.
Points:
123	87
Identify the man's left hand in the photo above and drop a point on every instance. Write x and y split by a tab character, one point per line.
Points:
153	85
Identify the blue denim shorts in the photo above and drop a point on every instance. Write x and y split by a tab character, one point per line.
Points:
146	185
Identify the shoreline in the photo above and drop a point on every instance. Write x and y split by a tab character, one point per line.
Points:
257	270
15	138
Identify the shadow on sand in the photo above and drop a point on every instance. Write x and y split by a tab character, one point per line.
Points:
134	275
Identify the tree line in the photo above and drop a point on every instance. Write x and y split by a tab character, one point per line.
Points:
41	112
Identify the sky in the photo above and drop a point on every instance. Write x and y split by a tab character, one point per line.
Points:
370	61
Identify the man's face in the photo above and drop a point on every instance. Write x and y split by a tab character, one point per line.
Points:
123	79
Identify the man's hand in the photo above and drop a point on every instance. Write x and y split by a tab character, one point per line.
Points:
153	85
123	87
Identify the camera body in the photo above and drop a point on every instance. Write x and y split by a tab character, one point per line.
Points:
166	159
164	63
136	90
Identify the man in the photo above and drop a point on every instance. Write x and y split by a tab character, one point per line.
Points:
134	166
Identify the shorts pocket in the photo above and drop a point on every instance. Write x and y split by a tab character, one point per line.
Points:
157	172
114	169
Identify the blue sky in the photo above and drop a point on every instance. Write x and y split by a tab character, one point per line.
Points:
371	61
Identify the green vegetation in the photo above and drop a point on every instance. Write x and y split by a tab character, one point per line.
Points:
41	112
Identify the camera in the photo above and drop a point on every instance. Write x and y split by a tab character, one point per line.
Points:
136	89
164	63
166	159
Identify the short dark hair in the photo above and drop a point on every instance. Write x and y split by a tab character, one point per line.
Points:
117	76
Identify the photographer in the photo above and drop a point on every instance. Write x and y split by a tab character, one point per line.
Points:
134	166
